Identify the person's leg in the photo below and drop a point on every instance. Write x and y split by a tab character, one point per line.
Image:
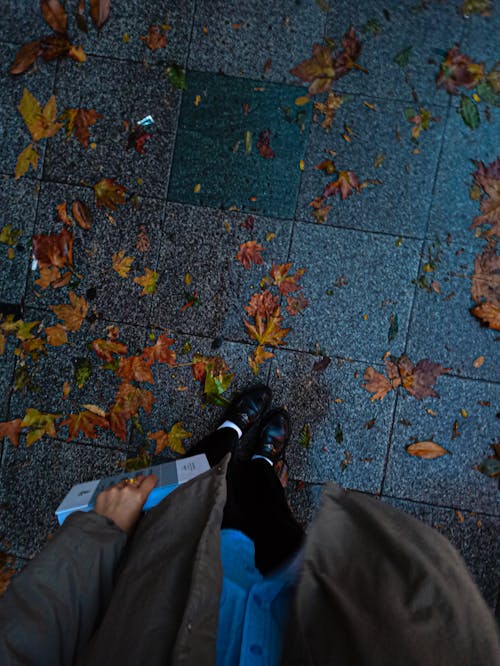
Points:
216	445
257	506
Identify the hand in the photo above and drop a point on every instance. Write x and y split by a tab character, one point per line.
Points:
123	502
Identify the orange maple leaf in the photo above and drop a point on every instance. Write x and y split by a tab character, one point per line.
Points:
78	122
147	282
249	253
260	356
279	276
376	383
109	193
56	335
129	398
72	314
488	313
106	348
85	422
156	38
267	332
263	303
117	420
160	351
134	368
11	429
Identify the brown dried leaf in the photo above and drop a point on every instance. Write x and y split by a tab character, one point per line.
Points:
99	11
489	314
55	15
25	57
250	253
376	383
426	449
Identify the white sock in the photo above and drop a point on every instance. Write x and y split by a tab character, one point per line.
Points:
257	456
230	424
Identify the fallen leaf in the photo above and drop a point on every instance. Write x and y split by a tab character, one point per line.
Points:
177	76
460	516
172	439
106	348
25	57
260	355
427	449
54	249
318	70
488	314
82	215
267	332
345	184
55	15
84	422
41	123
420	379
376	383
160	352
99	11
305	436
458	70
486	278
478	362
369	424
264	146
490	205
72	314
11	429
250	253
142	243
279	276
263	303
40	424
27	158
66	390
469	112
134	368
295	304
109	193
147	282
78	122
121	263
155	39
328	109
56	335
130	398
322	364
83	371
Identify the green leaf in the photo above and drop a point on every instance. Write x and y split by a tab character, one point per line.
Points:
143	459
339	435
487	94
393	327
403	57
83	371
216	385
9	236
469	112
305	436
177	76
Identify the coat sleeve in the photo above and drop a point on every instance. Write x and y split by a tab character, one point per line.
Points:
51	609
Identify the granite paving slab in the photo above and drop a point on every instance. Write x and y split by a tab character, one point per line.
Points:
14	135
452	209
42	381
110	295
254	39
386	29
442	327
361	138
22	22
202	243
479	36
179	397
18	201
464	422
348	433
126	91
217	161
34	481
473	534
355	282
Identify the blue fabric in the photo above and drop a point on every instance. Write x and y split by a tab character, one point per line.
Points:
253	608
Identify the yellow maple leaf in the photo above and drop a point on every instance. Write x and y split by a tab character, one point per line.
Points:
26	158
41	123
72	314
56	335
267	332
172	439
147	282
40	424
122	264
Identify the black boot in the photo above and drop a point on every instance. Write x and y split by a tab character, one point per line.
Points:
274	435
247	407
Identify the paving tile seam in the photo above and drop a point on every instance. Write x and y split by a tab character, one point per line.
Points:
325	225
429	210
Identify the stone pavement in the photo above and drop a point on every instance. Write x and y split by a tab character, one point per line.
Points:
192	192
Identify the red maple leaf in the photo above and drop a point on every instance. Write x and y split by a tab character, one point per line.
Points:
249	253
135	368
264	146
160	351
457	70
263	303
281	278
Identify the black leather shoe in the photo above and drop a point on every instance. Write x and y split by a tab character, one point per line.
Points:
247	407
274	435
